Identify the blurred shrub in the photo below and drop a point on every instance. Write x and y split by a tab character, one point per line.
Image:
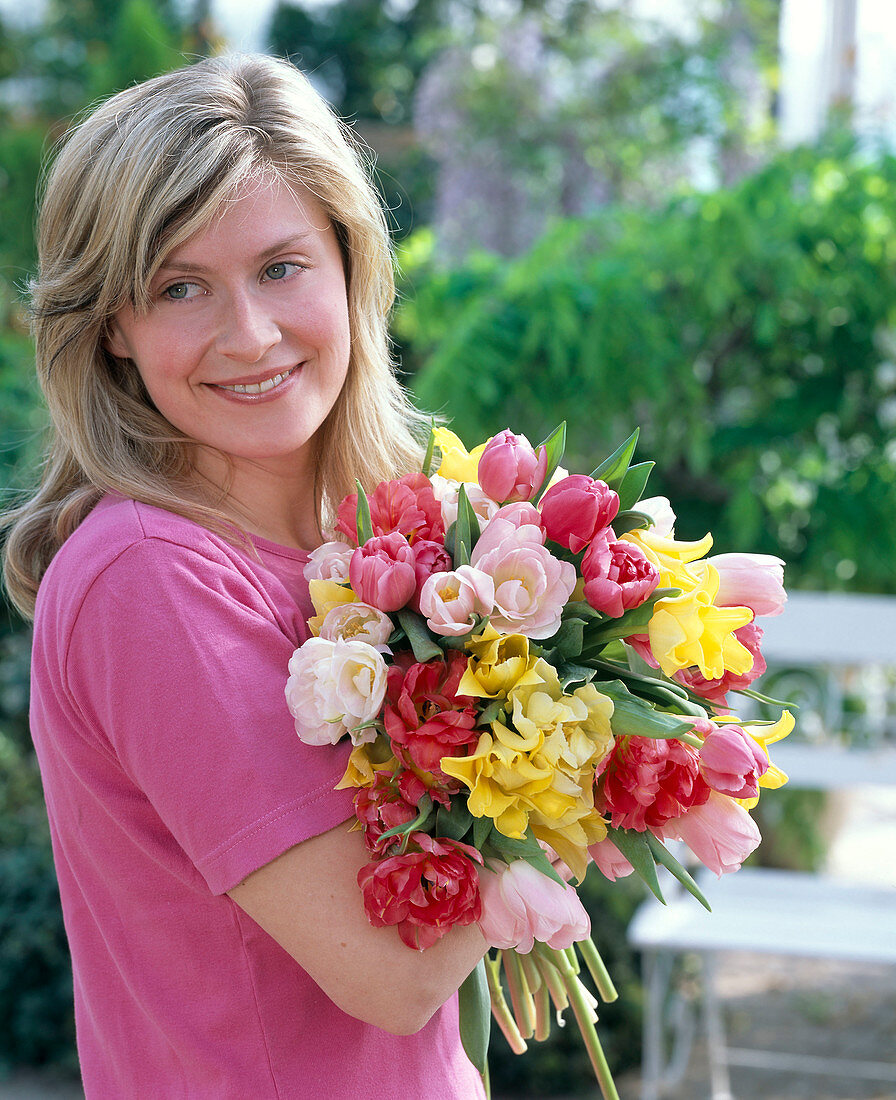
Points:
36	1017
21	149
747	331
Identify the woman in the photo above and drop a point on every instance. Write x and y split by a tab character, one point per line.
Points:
210	321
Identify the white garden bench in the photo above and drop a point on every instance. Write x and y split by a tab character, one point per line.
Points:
827	646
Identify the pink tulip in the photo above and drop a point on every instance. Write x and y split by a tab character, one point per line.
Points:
329	562
719	832
520	514
429	557
732	762
611	863
509	469
575	509
521	905
617	575
382	573
450	601
750	580
531	585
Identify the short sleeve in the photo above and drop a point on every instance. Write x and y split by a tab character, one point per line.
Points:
179	661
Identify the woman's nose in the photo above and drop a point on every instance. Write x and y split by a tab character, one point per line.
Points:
248	330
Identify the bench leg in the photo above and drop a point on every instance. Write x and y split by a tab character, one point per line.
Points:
652	1056
720	1081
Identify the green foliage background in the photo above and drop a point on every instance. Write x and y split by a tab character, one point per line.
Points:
747	331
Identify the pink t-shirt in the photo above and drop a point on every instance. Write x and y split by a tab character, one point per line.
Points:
172	770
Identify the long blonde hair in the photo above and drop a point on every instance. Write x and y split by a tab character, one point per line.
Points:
139	176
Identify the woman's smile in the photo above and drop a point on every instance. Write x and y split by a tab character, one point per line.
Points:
271	386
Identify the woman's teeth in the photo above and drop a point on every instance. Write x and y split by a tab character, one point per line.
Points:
259	387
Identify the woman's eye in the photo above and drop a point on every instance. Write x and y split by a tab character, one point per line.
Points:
178	292
279	270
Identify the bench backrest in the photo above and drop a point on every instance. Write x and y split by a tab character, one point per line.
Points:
846	643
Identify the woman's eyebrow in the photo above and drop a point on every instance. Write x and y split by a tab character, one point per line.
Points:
187	266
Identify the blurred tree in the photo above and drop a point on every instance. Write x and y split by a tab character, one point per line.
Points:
141	44
557	112
82	45
748	331
368	58
21	149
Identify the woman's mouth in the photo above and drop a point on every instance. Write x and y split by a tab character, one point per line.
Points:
257	387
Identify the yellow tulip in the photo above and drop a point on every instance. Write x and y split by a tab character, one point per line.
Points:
575	729
458	463
540	773
502	778
765	736
670	556
572	842
690	630
497	664
365	761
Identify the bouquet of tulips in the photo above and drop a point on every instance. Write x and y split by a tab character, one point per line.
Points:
534	674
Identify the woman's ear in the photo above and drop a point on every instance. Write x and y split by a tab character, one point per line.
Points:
114	343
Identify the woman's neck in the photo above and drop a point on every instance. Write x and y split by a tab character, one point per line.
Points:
273	501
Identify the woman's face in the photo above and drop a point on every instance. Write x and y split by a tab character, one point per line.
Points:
245	347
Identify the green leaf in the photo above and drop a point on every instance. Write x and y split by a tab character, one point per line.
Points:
414	626
420	822
466	529
636	850
482	828
581	609
767	699
569	638
509	849
665	693
634	717
454	822
633	484
428	459
362	516
634	621
612	470
663	856
575	674
554	446
631	520
490	712
475	1008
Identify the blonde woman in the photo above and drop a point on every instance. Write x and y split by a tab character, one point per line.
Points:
210	319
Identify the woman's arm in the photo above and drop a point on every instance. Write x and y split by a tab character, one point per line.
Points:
309	901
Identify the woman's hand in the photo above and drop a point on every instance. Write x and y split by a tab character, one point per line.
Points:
309	901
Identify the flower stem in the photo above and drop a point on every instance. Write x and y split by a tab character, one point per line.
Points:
533	977
500	1008
542	1013
597	970
520	996
584	1014
549	972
